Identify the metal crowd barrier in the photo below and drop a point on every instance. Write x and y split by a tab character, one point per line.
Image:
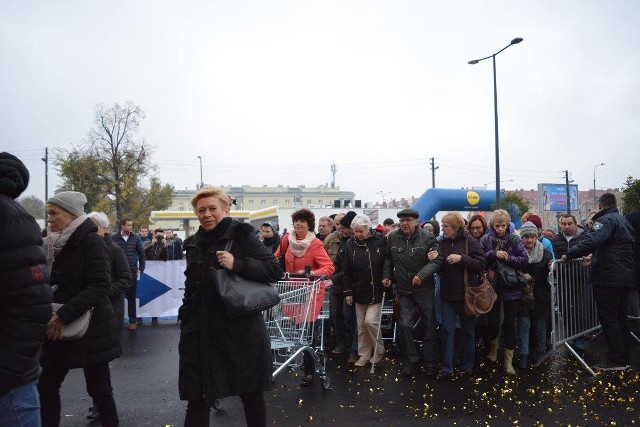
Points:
573	310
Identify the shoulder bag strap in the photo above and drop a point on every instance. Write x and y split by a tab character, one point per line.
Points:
466	252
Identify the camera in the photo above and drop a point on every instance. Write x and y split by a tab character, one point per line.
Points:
159	238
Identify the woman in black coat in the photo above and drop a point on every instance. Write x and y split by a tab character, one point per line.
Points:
220	356
362	278
80	278
461	252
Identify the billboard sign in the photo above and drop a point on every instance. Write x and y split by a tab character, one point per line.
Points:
554	197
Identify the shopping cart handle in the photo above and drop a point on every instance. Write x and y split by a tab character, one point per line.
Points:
311	277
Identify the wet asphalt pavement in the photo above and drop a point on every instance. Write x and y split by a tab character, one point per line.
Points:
560	392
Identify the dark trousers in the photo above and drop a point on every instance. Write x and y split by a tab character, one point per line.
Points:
98	379
255	411
336	313
118	309
424	300
131	297
510	309
611	304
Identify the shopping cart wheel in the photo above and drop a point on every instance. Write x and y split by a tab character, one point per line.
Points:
325	383
218	404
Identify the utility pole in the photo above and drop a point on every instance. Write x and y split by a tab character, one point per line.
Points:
45	159
433	172
566	183
201	180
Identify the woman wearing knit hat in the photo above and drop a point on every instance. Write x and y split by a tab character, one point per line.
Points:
81	279
537	273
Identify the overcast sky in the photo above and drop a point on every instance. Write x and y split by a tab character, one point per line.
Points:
274	92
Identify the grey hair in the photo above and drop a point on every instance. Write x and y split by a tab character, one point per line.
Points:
361	221
100	218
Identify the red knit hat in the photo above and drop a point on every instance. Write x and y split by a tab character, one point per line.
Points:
535	219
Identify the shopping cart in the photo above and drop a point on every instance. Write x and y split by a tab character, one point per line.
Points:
292	325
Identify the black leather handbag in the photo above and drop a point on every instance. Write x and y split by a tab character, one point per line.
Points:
240	296
509	277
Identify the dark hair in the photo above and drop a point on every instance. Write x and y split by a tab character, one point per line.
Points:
305	215
124	221
607	200
566	215
158	230
480	218
388	221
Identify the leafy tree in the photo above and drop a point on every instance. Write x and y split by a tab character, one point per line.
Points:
33	205
514	204
111	165
631	198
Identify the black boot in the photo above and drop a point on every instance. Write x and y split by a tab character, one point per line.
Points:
523	363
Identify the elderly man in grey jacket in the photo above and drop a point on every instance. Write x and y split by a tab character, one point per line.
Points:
408	267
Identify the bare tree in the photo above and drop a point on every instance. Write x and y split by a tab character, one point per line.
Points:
113	140
112	163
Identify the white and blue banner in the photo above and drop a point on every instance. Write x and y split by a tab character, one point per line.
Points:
160	288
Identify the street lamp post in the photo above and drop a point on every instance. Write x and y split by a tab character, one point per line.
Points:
491	182
594	185
495	113
201	181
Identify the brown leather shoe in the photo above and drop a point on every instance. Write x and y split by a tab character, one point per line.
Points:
353	358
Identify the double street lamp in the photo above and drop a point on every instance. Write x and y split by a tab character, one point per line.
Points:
495	112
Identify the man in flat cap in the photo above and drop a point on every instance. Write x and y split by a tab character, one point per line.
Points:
408	267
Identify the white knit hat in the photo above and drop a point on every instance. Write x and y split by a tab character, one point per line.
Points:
71	201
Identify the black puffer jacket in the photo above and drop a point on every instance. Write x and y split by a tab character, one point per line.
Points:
362	269
220	356
25	296
82	272
611	242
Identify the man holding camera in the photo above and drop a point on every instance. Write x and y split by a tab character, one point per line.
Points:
157	250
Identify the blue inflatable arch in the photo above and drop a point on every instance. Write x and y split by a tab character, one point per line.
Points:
435	200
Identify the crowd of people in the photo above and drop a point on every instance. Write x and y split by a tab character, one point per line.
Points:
424	267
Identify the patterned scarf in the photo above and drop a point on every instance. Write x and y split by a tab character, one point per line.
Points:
535	255
55	241
299	247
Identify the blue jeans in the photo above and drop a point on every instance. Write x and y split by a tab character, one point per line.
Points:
436	280
20	406
524	327
468	325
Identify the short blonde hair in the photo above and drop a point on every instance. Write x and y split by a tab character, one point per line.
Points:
454	219
211	191
500	215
